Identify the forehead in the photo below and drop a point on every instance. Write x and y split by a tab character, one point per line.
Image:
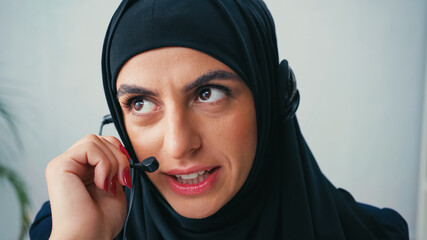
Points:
166	64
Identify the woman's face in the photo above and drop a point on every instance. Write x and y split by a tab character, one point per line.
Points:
197	117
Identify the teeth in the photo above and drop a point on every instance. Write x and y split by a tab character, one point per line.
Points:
201	178
193	178
190	176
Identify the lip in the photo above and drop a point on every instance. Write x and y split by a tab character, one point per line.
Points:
192	189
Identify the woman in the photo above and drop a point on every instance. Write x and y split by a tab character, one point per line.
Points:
198	85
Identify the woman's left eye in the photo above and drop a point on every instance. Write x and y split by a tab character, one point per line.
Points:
210	94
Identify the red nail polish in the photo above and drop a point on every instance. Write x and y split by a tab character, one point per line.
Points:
123	150
113	188
106	185
126	178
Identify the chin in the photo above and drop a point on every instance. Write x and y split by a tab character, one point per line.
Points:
195	209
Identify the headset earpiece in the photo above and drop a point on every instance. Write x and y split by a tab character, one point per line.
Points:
288	92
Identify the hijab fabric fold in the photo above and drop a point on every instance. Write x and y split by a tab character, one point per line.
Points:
285	196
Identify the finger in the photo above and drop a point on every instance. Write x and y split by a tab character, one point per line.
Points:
111	156
116	142
84	154
94	139
121	155
118	161
119	170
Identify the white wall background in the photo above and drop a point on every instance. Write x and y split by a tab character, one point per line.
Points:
359	66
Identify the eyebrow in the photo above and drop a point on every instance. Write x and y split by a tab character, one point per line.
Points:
125	89
209	76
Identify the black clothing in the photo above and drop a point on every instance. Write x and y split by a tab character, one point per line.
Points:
386	218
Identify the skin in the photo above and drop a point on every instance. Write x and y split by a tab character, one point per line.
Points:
179	123
76	179
183	129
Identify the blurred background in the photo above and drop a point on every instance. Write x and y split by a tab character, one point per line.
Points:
360	68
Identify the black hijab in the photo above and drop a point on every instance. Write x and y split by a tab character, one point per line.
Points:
285	196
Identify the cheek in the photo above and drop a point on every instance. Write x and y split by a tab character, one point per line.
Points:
239	134
145	140
235	136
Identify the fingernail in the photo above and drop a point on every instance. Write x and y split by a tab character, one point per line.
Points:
123	150
113	185
106	186
126	178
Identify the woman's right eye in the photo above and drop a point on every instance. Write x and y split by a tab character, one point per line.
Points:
143	106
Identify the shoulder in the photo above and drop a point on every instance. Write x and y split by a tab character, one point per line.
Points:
42	225
391	223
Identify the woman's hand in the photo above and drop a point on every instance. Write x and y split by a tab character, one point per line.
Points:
85	190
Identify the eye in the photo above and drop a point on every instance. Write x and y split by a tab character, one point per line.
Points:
143	106
210	94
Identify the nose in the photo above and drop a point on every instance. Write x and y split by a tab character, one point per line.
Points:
181	136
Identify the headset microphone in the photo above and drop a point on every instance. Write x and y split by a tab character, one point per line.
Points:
149	164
